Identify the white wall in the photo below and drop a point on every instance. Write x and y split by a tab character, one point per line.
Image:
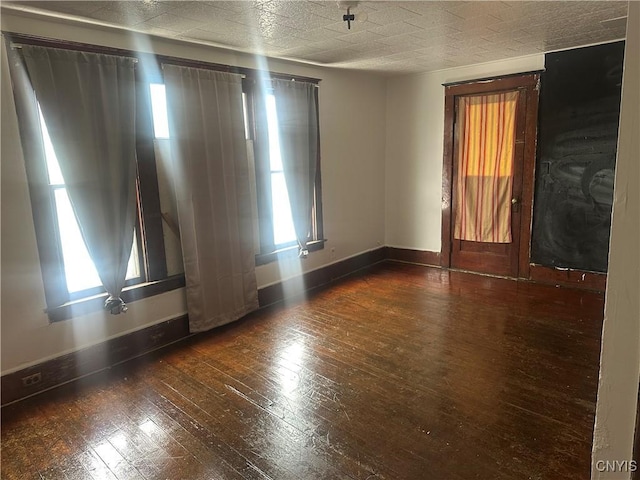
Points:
620	356
415	136
352	129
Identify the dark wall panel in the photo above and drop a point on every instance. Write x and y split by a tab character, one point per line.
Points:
577	139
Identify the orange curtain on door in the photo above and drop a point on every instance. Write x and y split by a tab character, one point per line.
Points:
484	179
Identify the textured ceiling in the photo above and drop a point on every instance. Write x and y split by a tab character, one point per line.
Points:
392	37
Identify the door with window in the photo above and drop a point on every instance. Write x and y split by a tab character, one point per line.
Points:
488	174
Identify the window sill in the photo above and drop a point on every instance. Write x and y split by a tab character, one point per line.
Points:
265	258
129	294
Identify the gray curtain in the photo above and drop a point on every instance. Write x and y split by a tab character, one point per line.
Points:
296	103
88	103
211	175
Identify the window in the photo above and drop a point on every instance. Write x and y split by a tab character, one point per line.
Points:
80	273
159	110
273	212
284	233
275	225
166	188
71	282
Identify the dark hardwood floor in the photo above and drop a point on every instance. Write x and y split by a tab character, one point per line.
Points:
401	372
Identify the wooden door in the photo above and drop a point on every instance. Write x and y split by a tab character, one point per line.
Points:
504	257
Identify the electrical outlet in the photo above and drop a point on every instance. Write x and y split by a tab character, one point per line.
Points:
31	380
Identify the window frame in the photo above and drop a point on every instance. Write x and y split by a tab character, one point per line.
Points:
269	251
149	208
59	307
62	304
92	291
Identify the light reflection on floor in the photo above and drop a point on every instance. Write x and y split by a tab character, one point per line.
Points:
291	363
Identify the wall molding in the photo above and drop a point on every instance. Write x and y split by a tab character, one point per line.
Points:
322	276
408	255
568	278
72	366
75	365
93	359
537	273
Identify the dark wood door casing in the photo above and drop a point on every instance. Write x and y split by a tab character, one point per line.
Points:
528	85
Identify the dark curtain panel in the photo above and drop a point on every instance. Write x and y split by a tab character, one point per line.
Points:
298	126
88	103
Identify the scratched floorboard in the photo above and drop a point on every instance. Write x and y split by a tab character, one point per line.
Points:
402	372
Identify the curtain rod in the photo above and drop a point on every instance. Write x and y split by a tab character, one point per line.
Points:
247	72
488	79
17	39
18	46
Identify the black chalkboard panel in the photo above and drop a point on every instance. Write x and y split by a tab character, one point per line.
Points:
577	139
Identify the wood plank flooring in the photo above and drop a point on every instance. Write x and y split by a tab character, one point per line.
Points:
401	372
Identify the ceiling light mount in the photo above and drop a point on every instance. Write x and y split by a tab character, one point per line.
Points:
349	17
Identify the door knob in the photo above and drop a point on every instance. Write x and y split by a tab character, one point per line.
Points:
514	201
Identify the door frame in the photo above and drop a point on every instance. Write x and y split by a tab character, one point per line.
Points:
529	84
